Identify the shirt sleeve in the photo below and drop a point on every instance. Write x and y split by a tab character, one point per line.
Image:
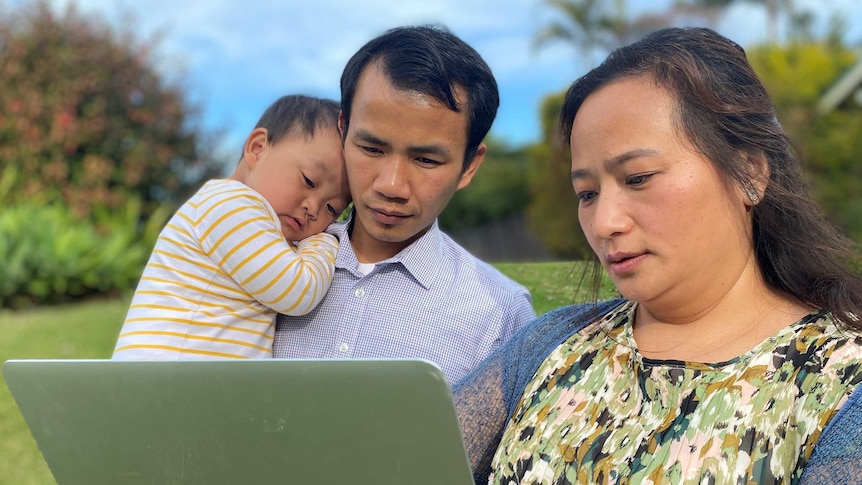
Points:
520	311
837	456
241	235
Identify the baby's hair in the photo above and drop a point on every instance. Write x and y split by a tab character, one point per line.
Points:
298	114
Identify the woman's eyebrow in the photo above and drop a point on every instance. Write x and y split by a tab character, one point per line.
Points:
616	162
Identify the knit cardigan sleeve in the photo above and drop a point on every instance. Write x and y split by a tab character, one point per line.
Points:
837	456
486	398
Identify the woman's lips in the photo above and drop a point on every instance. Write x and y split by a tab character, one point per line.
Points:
625	263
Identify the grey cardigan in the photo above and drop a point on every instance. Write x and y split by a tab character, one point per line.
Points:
486	398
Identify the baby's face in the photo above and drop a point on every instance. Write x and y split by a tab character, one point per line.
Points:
304	180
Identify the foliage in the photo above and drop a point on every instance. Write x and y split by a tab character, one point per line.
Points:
798	19
52	256
796	76
86	120
597	24
553	208
499	189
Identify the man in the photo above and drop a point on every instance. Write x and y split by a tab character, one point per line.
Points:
416	104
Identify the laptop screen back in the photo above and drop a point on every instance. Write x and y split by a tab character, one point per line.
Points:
241	422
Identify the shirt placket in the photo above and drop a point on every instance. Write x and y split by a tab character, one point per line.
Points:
356	306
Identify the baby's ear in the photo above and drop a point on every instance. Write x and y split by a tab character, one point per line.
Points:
255	145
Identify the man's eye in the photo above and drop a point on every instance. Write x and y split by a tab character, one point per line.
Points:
370	150
427	161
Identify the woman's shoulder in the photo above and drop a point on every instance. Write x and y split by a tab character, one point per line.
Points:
554	326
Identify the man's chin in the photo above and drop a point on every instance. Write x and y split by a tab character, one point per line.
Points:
389	235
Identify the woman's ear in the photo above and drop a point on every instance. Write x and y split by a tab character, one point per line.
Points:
758	178
255	145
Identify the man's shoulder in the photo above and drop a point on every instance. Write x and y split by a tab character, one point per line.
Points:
474	267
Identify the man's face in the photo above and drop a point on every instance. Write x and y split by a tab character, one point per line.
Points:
404	153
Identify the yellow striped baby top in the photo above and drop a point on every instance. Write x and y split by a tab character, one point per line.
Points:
220	271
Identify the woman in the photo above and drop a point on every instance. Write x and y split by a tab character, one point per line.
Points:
735	355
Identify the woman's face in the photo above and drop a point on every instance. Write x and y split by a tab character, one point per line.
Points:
666	228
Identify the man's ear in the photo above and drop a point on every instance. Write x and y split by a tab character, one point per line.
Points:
475	163
342	127
255	145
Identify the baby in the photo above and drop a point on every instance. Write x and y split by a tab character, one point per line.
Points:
247	247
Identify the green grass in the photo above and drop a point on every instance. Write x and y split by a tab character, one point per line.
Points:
89	330
553	285
81	331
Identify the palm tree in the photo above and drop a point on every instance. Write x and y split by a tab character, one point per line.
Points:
591	25
774	10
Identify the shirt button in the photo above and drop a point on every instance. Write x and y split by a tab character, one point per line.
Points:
359	292
343	348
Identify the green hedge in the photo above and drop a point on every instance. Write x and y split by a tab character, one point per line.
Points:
49	255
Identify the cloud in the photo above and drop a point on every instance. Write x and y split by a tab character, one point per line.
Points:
237	56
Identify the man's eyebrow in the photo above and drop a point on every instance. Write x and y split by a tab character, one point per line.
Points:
616	162
432	149
367	137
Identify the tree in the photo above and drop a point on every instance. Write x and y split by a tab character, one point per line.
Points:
86	120
796	76
499	190
798	21
590	25
553	209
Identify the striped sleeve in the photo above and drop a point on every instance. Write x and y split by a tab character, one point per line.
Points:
241	234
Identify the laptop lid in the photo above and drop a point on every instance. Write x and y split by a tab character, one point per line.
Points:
241	422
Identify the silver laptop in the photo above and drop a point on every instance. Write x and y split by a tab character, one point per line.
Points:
241	422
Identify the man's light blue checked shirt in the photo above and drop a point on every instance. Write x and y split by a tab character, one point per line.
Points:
433	301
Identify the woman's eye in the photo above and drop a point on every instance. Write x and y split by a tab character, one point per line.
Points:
638	179
586	196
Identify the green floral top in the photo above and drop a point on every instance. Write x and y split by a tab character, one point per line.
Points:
599	412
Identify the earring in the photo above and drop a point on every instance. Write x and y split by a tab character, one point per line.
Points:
753	194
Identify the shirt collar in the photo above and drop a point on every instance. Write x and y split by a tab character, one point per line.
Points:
421	258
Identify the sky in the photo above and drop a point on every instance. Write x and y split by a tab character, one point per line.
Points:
234	57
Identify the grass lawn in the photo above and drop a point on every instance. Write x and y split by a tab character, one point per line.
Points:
81	331
89	330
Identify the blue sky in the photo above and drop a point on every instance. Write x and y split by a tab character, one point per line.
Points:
236	56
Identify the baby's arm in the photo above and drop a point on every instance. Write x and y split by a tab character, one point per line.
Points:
242	239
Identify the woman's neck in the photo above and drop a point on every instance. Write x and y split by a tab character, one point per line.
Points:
716	331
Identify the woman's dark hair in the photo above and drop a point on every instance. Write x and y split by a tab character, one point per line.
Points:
434	62
725	112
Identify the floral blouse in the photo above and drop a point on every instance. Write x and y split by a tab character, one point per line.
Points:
599	412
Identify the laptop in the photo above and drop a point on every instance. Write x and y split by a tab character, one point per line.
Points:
242	422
